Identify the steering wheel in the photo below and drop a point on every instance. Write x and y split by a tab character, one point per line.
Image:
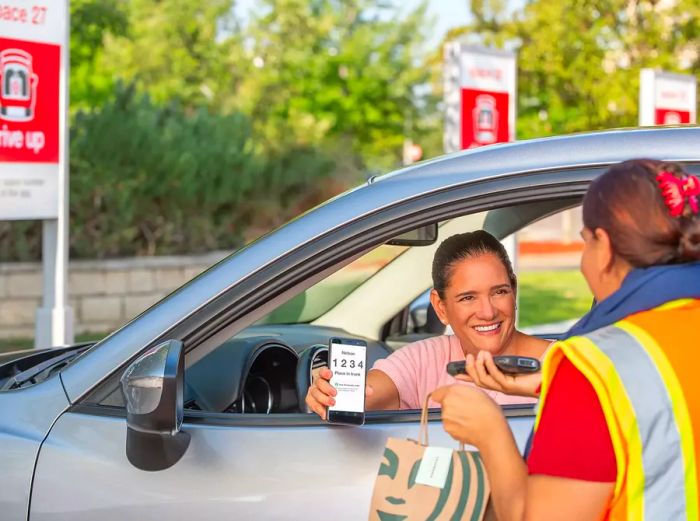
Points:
310	358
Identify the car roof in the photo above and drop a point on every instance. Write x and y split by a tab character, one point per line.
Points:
560	152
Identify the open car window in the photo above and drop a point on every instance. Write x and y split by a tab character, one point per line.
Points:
261	369
322	297
552	293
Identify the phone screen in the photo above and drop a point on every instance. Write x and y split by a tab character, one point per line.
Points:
348	364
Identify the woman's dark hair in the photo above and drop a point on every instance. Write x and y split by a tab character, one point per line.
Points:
627	202
464	246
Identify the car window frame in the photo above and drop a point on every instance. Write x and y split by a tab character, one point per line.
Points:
242	304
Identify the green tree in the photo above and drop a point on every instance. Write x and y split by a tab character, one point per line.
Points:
177	50
344	74
579	61
152	179
91	20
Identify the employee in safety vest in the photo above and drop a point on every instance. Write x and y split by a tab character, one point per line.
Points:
618	423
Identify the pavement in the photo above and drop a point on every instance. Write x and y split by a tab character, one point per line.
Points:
548	261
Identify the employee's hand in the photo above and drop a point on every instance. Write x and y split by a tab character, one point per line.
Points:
321	393
482	371
469	415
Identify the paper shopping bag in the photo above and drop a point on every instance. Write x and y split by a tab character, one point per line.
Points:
417	482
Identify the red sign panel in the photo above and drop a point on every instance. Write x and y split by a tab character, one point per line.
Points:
29	101
671	117
484	118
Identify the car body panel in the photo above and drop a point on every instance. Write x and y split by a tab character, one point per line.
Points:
26	416
247	472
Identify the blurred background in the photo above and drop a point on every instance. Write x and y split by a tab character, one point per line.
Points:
197	126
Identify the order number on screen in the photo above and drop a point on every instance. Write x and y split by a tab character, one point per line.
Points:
345	362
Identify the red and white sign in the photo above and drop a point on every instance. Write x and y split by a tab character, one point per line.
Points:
479	96
29	74
33	34
666	99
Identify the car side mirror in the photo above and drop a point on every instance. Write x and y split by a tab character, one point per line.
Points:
153	388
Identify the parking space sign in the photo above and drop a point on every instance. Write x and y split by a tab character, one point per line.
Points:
29	98
666	98
32	107
479	91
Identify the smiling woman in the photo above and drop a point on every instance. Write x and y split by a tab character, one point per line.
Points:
474	292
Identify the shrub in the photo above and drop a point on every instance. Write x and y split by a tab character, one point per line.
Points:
148	179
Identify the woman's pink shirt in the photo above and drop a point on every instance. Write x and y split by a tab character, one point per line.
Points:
420	367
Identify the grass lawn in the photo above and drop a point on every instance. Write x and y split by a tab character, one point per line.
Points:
552	296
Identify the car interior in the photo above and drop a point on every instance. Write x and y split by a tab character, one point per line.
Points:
379	297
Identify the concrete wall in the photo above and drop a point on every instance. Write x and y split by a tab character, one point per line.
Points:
103	294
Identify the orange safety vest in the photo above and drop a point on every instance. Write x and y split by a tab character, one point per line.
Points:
645	370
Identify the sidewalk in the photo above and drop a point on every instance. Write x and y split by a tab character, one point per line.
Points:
544	262
542	256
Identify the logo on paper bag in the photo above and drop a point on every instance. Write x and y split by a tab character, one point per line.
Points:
415	485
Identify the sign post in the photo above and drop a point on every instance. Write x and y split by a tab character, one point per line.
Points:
34	64
666	98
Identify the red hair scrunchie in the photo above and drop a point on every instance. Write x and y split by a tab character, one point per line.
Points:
677	191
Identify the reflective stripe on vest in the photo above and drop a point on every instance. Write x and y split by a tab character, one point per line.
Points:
647	417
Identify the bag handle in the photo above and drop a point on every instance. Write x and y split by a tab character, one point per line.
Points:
423	435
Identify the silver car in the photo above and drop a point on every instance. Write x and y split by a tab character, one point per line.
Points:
194	410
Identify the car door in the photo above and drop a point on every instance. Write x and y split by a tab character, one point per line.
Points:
284	466
292	467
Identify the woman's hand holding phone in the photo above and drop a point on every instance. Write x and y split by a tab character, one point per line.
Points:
482	371
321	393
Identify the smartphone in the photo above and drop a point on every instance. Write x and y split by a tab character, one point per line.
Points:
507	364
348	362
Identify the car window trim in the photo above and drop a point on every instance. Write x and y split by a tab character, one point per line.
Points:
194	418
322	253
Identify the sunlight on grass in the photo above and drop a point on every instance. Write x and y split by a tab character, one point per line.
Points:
552	296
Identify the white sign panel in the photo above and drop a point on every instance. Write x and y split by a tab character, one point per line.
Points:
33	144
480	92
666	99
32	111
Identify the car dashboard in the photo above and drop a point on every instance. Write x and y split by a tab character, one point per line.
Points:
264	369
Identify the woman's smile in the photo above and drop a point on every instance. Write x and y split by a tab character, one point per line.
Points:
488	329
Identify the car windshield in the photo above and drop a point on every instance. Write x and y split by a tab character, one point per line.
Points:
320	298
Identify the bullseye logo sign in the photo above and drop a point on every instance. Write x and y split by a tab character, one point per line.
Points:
28	103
